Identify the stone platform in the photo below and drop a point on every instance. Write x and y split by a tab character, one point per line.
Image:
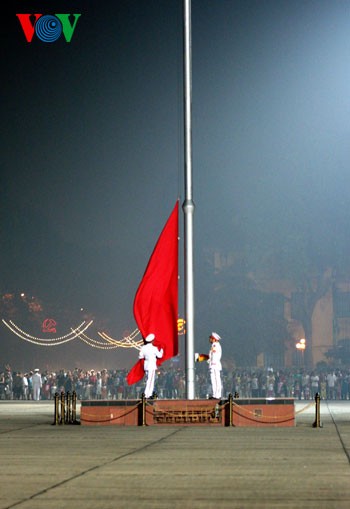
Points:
257	412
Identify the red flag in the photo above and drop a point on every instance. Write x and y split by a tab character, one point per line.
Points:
156	299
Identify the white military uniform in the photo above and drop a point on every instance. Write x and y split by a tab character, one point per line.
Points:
37	384
150	354
215	367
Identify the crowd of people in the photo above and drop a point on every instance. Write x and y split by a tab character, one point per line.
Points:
171	384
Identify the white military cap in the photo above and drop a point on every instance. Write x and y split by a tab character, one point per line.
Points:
149	338
215	335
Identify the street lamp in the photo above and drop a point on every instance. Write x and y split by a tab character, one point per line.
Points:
300	346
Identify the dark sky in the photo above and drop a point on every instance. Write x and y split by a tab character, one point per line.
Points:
92	138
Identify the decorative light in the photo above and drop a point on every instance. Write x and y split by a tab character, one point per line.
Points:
78	332
47	341
126	342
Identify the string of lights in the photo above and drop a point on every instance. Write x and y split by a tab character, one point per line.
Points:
95	344
78	332
71	335
46	341
125	343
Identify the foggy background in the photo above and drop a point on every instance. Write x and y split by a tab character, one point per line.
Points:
92	162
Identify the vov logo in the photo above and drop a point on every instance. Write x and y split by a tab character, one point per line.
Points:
48	27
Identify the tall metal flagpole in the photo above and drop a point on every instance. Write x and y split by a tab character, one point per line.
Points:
188	205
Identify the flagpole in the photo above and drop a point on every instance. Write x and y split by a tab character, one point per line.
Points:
188	205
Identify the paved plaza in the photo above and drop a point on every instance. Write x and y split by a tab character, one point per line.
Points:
75	467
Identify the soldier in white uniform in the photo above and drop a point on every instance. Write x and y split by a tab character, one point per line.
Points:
215	367
150	354
214	361
37	384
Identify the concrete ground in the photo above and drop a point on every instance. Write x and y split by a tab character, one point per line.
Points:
57	467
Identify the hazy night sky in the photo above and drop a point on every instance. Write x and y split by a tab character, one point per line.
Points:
92	139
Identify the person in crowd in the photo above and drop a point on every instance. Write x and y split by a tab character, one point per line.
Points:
323	386
331	380
93	383
150	353
37	384
30	385
25	385
45	390
98	386
344	390
8	383
17	386
104	389
305	382
61	380
270	383
254	384
53	385
68	383
314	379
